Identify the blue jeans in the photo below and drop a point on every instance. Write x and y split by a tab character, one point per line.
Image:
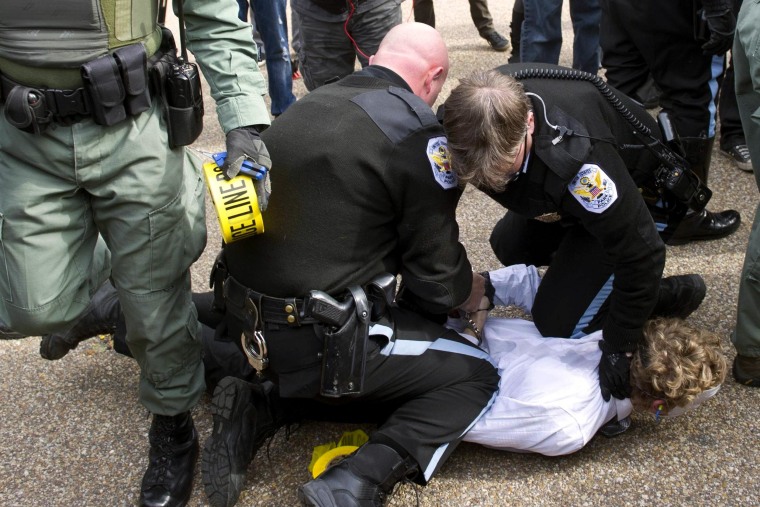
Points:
272	24
541	39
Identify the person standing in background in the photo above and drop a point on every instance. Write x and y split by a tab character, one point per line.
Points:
746	54
424	12
270	19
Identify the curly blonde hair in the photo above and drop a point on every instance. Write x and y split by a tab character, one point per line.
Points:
677	362
485	119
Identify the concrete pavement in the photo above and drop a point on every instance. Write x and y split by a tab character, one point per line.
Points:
73	432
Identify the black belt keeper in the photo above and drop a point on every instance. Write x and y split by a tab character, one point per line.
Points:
283	311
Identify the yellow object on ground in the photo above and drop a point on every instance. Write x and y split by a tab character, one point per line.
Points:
324	455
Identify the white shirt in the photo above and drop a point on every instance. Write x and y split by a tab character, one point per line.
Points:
549	399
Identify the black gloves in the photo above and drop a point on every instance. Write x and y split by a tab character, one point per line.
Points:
614	374
245	143
721	23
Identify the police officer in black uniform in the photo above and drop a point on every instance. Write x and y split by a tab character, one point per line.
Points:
364	193
569	167
682	44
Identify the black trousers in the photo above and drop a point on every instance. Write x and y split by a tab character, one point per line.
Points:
659	37
572	298
731	132
424	385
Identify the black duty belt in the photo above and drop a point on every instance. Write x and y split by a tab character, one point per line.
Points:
285	311
60	103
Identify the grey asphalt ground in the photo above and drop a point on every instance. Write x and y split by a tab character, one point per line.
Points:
73	432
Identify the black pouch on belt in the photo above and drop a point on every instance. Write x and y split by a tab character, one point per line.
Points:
184	101
26	109
345	348
103	84
132	63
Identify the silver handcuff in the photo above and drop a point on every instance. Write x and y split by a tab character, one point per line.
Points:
254	345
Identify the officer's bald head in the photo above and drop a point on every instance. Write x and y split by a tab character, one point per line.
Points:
417	53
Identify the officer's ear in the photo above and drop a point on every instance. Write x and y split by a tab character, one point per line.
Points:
531	123
433	75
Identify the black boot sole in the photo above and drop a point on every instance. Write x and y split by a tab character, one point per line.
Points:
223	478
316	494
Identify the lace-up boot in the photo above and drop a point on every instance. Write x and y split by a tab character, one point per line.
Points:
244	417
168	481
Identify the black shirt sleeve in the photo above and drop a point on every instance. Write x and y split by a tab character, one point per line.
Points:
629	237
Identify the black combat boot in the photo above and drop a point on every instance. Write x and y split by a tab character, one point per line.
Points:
746	370
705	225
244	417
364	479
6	333
679	296
168	481
100	317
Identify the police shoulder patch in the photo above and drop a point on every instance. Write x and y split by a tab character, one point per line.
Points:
593	188
438	155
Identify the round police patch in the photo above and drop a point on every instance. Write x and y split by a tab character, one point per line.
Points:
593	188
438	154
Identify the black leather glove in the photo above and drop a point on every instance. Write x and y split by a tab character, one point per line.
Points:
614	373
721	22
245	143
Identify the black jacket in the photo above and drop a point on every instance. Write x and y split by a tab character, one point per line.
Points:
357	191
600	137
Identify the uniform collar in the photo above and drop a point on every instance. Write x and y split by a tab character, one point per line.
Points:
385	73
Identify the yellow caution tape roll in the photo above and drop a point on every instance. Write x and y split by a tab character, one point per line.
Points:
324	461
235	202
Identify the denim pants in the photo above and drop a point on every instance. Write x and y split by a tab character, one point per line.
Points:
272	24
541	39
327	52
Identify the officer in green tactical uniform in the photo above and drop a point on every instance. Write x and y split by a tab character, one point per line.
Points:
92	185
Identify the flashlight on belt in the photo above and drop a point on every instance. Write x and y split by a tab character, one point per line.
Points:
235	200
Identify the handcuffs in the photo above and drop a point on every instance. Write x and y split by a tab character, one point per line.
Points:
254	345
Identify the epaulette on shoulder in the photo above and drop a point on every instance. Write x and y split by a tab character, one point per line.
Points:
396	111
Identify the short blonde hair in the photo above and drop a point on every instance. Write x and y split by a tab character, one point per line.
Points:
485	119
677	362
